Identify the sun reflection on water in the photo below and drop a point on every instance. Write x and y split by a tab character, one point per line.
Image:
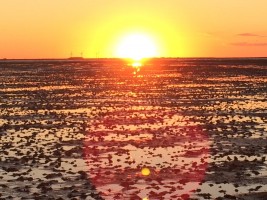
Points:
137	64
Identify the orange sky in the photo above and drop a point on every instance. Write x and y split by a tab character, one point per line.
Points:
180	28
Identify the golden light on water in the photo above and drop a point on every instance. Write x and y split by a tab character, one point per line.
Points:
137	67
137	64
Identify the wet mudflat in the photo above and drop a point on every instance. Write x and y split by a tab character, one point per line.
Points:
177	129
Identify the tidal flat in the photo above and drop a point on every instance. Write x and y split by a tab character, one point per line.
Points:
101	129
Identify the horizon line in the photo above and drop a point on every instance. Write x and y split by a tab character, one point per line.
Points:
163	57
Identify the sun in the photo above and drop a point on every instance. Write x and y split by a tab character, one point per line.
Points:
136	46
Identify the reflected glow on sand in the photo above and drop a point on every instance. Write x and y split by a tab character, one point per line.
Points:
94	123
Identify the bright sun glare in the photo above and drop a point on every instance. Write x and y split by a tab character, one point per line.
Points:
136	47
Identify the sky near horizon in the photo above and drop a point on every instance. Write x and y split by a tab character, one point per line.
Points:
179	28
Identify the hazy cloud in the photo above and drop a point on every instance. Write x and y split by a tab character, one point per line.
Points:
249	44
250	35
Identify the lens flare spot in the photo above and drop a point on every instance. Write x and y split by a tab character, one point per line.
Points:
145	171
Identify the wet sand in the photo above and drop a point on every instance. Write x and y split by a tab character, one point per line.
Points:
87	129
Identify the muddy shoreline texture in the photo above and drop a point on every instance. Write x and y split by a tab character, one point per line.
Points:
85	129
